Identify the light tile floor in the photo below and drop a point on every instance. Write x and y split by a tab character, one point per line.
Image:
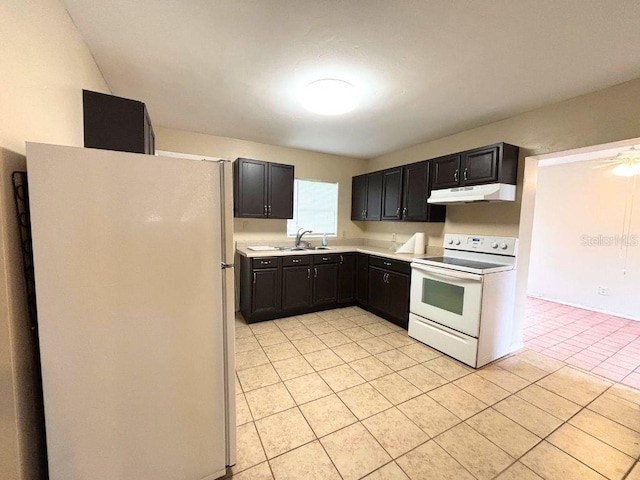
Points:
603	344
344	394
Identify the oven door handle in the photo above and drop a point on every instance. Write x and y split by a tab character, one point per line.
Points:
446	273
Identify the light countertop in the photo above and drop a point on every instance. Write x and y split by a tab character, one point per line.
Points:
368	249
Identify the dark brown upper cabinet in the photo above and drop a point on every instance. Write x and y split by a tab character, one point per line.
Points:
399	194
415	191
366	196
446	172
489	164
116	123
373	209
358	197
262	189
392	194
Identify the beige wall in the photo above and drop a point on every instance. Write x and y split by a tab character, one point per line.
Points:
578	199
308	165
44	65
16	360
604	116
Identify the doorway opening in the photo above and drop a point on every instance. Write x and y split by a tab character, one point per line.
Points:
579	260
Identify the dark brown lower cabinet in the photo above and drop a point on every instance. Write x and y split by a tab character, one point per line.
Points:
260	288
325	283
398	300
275	287
389	290
346	278
362	279
296	287
378	290
266	298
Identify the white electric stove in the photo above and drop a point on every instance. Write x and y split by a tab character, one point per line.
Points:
462	303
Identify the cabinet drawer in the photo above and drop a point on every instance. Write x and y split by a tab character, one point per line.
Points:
328	258
294	261
265	262
388	264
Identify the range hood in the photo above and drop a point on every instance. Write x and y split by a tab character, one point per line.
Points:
493	192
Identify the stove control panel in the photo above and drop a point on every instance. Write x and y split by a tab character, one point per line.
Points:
481	243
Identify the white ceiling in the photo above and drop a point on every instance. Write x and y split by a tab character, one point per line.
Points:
427	68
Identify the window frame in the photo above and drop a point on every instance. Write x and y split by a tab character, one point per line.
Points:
337	207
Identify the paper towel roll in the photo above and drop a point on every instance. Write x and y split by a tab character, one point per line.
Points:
418	247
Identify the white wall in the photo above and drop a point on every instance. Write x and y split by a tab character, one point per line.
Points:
44	65
579	210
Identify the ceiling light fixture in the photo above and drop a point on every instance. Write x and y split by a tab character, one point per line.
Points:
329	96
628	163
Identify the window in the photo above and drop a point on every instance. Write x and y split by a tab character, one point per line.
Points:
315	208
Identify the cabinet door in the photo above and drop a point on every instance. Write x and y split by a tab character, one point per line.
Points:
446	172
325	283
374	196
346	277
358	197
362	278
280	197
251	188
392	194
415	192
296	287
480	166
398	300
378	291
266	291
435	213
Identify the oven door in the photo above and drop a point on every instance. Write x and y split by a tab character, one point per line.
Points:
448	297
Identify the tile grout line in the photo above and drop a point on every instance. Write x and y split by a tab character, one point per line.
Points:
592	344
394	371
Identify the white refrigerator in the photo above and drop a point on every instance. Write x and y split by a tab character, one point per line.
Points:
135	313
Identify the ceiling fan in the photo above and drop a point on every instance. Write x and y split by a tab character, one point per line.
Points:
625	164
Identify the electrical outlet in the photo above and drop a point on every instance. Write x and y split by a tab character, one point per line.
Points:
603	291
393	237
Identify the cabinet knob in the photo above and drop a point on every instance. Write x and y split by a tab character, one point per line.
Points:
455	175
398	212
308	273
464	174
404	212
315	273
325	259
388	264
254	277
265	210
295	260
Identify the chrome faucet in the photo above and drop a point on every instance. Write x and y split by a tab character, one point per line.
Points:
299	236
